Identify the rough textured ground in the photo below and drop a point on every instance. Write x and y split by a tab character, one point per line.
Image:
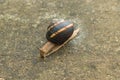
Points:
93	55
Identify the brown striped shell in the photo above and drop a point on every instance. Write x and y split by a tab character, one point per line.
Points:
59	31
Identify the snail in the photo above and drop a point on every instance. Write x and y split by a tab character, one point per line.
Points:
59	32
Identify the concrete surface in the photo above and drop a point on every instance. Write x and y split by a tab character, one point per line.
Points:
93	55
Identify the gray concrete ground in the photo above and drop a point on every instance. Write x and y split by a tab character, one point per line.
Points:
93	55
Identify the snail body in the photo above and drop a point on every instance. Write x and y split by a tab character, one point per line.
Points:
59	31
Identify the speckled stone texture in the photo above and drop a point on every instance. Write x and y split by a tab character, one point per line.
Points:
93	55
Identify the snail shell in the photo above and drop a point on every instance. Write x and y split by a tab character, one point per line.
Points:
59	31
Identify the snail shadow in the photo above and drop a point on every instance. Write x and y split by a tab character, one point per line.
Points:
41	65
